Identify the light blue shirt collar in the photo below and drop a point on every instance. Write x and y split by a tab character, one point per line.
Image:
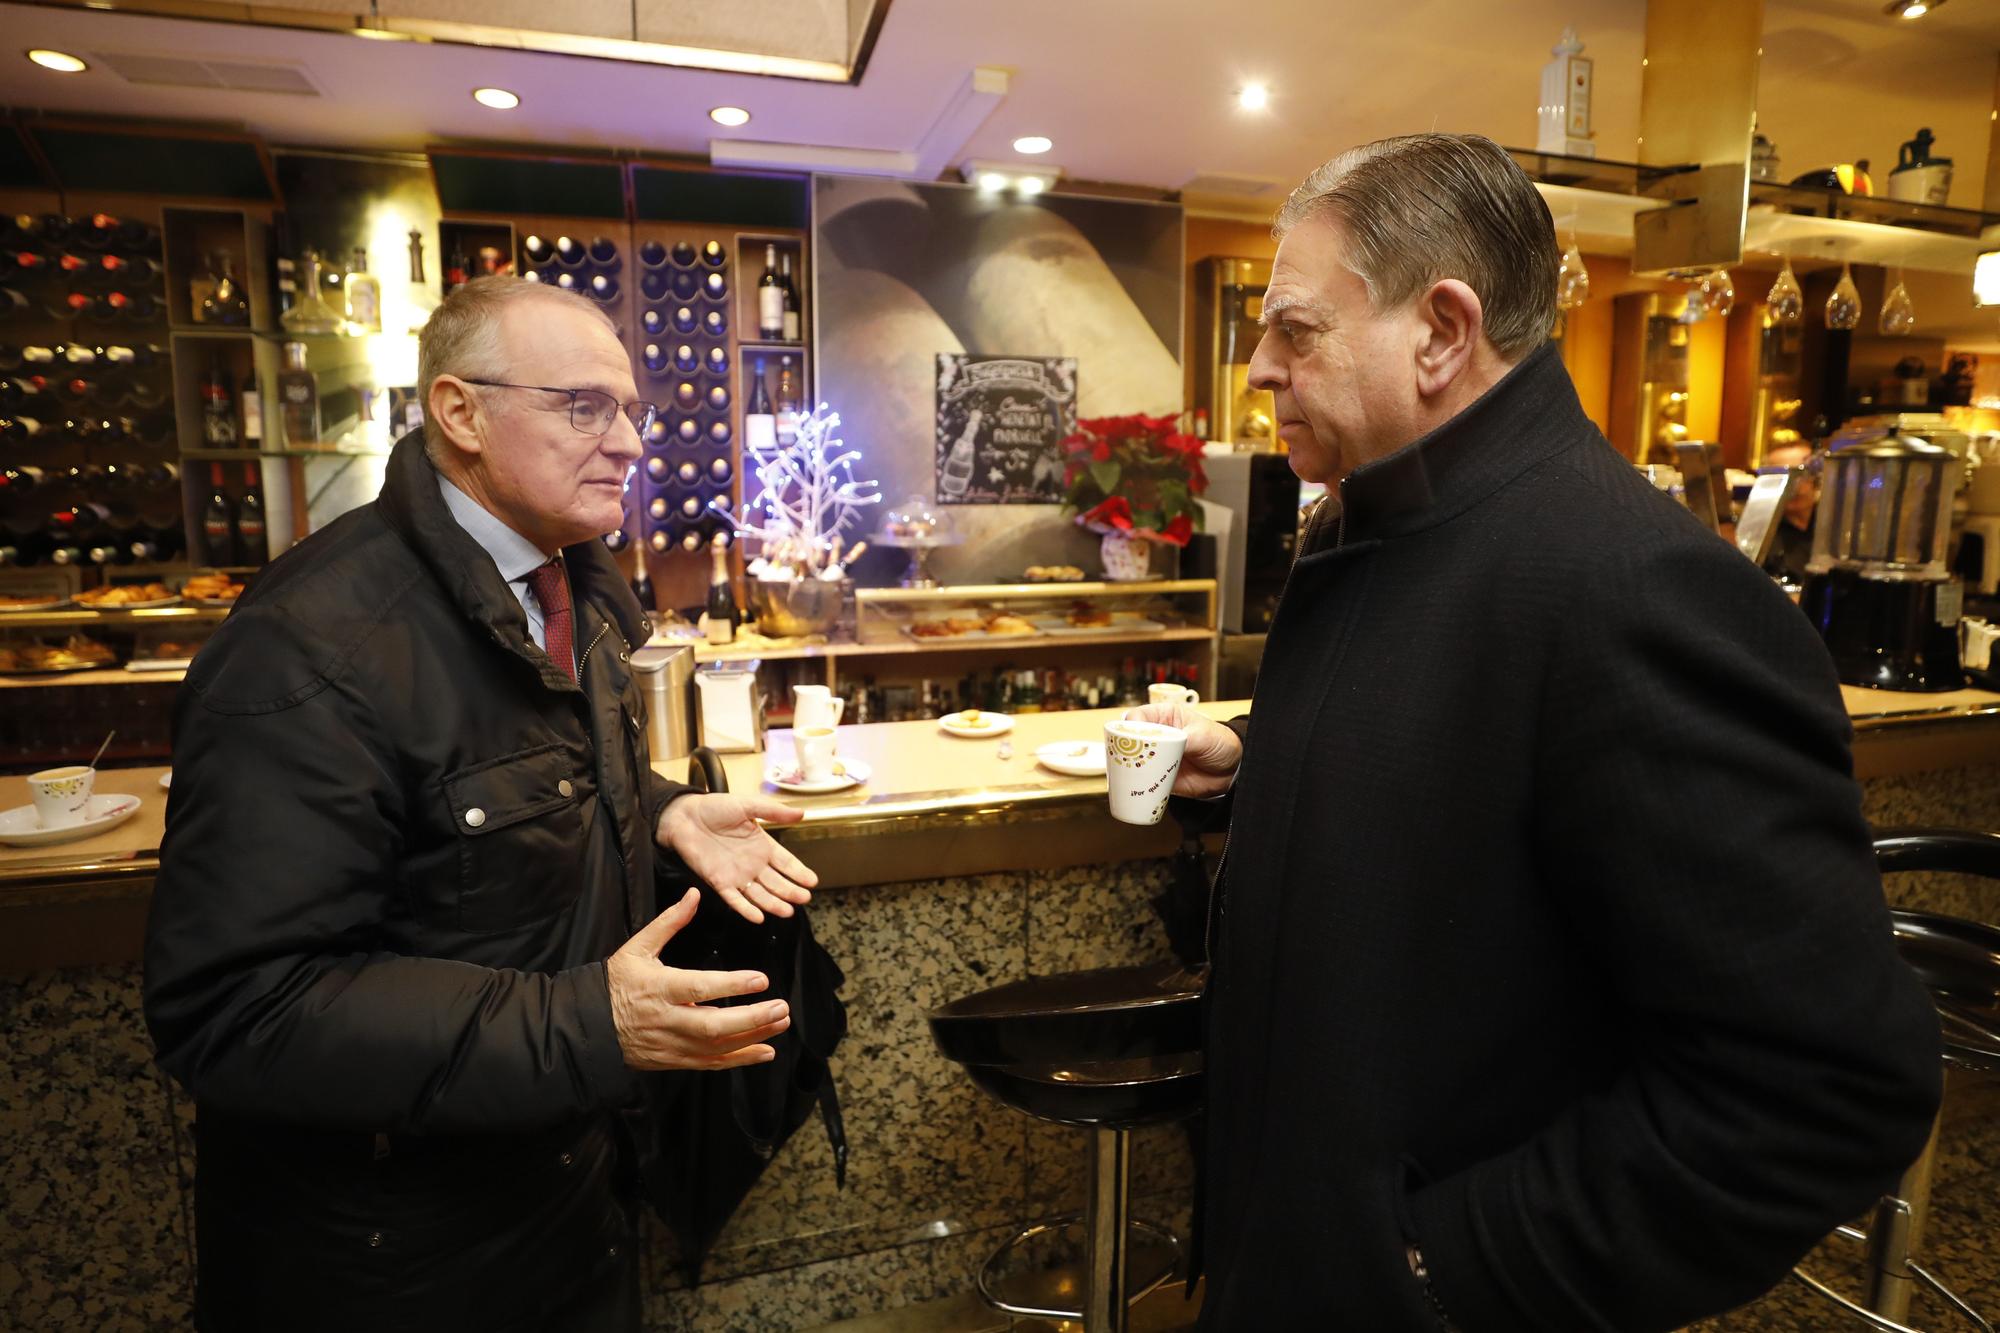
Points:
515	556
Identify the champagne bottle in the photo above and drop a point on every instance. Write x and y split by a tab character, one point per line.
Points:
770	299
721	601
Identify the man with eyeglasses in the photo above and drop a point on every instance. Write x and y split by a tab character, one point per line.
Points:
403	951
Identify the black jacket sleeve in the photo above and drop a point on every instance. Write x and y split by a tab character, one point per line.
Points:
1699	821
266	991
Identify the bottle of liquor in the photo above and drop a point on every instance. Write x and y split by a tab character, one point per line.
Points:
251	539
786	402
288	286
253	413
770	298
311	314
201	289
364	296
228	304
298	398
218	409
760	425
793	325
721	601
218	522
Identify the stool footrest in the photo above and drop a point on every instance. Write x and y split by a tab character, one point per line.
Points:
1040	1272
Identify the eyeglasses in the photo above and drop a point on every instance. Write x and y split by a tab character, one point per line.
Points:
591	411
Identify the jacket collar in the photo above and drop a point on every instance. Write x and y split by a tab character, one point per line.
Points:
411	504
1529	414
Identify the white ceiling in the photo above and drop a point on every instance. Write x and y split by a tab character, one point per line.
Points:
1132	91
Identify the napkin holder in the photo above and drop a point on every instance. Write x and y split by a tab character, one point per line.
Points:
730	709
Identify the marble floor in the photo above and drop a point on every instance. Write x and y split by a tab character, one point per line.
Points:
1961	1247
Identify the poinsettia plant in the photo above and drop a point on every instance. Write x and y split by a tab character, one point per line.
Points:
1137	475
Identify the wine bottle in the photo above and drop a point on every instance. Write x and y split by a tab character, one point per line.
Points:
218	409
685	396
218	522
569	252
686	286
19	430
654	359
603	288
714	324
642	588
683	254
657	507
718	471
770	298
566	280
715	287
660	540
793	326
652	323
718	431
157	545
688	430
616	539
684	319
535	252
654	284
718	397
604	254
688	473
711	254
52	229
98	232
652	254
251	539
24	549
718	363
656	470
786	402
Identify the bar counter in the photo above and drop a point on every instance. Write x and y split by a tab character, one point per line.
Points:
954	868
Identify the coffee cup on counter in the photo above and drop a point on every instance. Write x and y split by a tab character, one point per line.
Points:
1141	760
1165	693
814	747
61	795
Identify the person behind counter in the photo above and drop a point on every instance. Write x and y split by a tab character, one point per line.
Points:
413	824
1552	984
1792	543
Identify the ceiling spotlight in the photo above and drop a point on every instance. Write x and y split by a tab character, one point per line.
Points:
1910	9
497	98
992	182
1030	144
62	62
732	116
1253	97
1032	185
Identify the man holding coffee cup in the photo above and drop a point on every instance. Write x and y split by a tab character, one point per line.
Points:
403	949
1552	982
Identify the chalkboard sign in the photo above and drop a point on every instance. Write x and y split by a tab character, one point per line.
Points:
1001	421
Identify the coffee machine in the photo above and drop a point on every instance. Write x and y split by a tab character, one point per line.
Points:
1229	300
1877	587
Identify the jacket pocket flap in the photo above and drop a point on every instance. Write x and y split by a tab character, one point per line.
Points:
502	792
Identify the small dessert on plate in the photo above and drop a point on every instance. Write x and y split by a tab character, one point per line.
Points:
1007	623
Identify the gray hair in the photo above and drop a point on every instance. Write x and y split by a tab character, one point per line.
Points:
1424	207
462	336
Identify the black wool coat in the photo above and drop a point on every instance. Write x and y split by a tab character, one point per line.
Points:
400	845
1547	934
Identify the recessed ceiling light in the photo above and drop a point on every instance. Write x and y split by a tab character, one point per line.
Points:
62	62
1030	144
1910	9
497	98
1253	97
732	116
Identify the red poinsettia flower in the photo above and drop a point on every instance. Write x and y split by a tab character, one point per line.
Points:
1101	451
1178	531
1115	512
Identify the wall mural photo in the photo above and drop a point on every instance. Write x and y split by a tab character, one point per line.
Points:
921	286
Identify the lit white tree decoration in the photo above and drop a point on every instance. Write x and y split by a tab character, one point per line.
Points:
808	500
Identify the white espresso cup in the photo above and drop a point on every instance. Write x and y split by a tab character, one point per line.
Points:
1140	761
816	706
1163	693
814	747
61	795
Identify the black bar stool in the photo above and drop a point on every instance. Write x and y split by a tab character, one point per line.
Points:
1109	1050
1959	961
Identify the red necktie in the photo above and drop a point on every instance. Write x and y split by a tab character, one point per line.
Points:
551	589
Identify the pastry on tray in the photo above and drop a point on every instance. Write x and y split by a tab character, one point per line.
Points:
75	653
125	594
1054	574
1084	615
212	588
1005	622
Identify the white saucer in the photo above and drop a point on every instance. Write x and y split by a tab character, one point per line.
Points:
18	827
785	777
1078	759
997	724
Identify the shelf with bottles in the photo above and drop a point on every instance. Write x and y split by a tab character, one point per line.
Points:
92	272
227	514
771	299
215	262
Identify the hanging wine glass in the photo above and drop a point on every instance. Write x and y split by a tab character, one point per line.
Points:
1843	308
1572	279
1717	292
1786	300
1899	314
